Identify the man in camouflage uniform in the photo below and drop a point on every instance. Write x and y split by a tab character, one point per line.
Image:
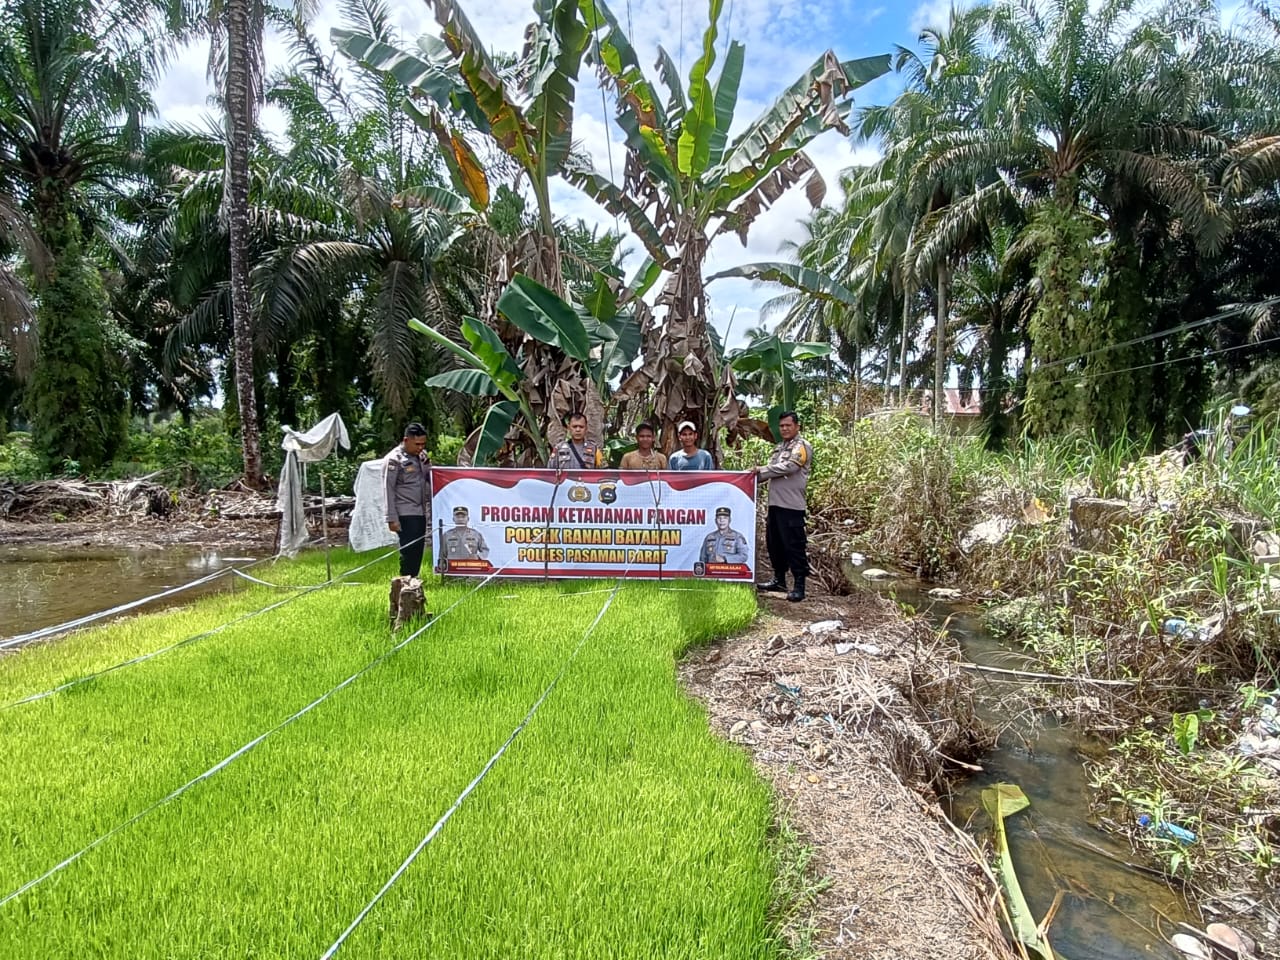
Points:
724	545
575	451
787	474
405	472
462	542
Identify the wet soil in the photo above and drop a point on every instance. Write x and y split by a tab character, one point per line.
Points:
851	755
142	532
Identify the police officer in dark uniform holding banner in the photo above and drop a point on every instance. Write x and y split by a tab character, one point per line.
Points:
404	476
463	542
724	545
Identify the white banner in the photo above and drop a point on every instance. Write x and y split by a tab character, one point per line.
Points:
594	523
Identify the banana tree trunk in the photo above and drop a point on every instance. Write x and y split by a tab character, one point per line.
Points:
685	372
940	350
239	132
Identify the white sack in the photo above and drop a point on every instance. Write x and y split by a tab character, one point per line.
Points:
368	528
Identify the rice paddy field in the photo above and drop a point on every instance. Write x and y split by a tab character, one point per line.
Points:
616	825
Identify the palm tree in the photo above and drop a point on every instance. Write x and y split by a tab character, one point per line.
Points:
235	30
1090	122
73	80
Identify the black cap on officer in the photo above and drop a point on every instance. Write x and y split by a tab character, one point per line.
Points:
723	512
460	512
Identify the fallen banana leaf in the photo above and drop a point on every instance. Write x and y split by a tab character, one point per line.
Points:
1000	801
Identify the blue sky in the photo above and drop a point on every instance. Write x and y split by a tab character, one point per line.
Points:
782	37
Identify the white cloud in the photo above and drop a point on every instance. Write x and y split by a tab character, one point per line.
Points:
935	13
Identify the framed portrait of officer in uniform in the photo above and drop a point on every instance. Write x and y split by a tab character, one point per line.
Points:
724	545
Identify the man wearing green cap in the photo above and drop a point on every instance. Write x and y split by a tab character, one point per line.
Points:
723	544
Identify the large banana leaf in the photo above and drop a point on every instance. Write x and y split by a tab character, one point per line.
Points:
493	433
492	353
700	121
726	99
794	276
553	54
507	122
618	59
545	317
749	155
668	74
421	76
1000	801
618	355
474	383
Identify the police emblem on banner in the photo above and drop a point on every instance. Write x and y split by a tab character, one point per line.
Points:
579	494
608	492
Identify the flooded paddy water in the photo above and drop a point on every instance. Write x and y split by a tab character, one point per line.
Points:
42	585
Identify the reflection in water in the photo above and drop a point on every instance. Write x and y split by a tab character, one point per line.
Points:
42	585
1109	911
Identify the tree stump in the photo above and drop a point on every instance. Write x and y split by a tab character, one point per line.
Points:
408	601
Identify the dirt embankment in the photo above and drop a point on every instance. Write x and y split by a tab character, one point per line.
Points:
853	727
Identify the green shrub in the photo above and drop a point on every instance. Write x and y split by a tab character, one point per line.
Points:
18	461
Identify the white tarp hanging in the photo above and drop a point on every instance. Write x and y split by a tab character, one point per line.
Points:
368	529
310	447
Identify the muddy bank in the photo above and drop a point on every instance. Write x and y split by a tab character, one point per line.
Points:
191	530
838	725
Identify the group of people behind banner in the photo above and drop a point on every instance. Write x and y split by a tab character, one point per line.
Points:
577	451
406	472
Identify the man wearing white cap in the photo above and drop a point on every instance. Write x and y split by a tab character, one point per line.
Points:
689	456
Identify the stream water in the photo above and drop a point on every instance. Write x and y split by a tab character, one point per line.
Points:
43	585
1108	911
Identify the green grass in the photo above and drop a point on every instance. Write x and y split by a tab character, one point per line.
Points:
617	825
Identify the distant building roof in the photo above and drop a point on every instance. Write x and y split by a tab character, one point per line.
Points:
958	404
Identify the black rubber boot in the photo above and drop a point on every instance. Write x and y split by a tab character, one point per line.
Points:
796	595
773	586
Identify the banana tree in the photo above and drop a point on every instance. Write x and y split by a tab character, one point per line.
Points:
600	343
682	175
526	109
770	361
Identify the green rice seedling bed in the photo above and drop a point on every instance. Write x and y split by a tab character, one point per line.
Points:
617	825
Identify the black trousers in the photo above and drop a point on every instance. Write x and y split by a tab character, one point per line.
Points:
412	529
785	539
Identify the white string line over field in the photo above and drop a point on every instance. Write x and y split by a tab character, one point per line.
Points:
143	658
497	755
484	771
232	757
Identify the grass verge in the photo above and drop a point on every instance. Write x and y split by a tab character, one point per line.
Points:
616	825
